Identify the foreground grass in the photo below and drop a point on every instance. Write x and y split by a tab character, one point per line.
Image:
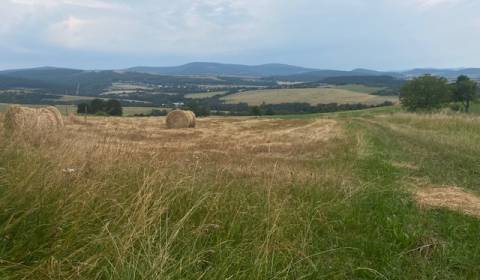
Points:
339	209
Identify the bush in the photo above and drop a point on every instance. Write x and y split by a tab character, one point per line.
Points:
158	113
101	107
455	107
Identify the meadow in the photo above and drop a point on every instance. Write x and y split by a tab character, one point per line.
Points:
374	194
321	95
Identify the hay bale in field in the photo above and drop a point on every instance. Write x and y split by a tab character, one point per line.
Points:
193	118
56	113
38	120
181	119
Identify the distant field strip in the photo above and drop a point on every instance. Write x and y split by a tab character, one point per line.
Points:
204	95
65	109
313	96
360	88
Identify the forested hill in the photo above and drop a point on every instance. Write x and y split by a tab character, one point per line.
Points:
219	69
62	81
205	75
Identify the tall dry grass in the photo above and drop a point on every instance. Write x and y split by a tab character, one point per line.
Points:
120	198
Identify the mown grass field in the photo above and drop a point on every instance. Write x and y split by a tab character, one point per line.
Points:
314	96
356	195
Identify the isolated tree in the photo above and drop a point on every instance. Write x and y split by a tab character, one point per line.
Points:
269	111
255	110
203	111
113	108
464	91
82	108
96	106
198	108
425	93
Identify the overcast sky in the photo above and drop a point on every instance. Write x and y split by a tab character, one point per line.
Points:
338	34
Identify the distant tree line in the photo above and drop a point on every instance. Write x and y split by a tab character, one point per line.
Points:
243	109
305	108
430	92
153	113
110	107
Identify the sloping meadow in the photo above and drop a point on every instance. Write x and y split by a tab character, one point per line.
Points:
125	198
240	198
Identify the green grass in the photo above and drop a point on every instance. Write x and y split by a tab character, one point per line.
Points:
475	107
314	96
3	107
135	220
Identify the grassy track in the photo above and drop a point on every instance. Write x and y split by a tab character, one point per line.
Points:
272	202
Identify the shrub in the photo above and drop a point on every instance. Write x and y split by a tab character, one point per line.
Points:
101	107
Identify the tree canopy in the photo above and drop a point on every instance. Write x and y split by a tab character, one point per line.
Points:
425	93
110	107
464	91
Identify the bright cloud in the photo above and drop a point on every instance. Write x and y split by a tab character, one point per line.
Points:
432	3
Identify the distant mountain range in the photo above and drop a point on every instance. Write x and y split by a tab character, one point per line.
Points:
201	73
219	69
293	72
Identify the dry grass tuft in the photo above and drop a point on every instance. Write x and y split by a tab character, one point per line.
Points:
452	198
405	165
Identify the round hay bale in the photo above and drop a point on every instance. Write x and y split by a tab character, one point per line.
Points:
56	114
181	119
193	118
24	119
